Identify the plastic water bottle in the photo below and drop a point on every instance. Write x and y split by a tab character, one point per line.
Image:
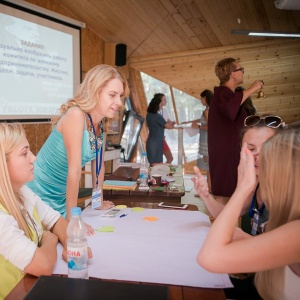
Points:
144	171
77	246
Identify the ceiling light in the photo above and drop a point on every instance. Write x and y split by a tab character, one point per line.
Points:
267	33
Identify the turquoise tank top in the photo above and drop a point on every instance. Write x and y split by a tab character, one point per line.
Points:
51	170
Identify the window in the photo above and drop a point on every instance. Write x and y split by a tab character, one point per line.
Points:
180	109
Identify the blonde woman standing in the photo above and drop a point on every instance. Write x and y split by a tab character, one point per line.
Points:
78	136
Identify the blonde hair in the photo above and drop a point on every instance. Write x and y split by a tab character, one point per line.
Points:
224	68
280	189
11	135
94	81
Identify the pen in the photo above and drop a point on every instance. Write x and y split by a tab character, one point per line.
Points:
124	215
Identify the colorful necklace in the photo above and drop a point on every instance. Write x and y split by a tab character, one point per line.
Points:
93	139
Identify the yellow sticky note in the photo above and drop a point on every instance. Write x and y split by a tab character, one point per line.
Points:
106	229
137	209
121	206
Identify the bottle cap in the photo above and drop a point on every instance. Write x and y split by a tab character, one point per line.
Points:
75	211
144	153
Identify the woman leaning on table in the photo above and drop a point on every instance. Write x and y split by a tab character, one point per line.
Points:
274	255
78	136
29	228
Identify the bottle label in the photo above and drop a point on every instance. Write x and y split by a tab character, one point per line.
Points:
77	262
143	175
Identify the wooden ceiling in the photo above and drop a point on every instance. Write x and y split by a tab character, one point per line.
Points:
151	27
179	42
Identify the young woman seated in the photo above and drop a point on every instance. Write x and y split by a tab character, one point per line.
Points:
29	228
274	255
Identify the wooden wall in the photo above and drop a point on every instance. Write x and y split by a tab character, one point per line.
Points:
276	62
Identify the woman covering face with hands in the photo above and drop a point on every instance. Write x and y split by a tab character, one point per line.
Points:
256	131
274	255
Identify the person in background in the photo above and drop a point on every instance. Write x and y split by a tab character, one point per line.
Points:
226	117
77	137
274	255
156	125
247	104
202	160
29	228
166	149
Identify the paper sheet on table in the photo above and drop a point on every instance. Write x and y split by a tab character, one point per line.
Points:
191	131
163	251
188	129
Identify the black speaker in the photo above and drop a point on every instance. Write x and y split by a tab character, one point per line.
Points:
120	56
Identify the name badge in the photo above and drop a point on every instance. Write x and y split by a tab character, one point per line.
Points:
96	198
255	223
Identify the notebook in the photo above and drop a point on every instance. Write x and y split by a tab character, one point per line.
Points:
63	288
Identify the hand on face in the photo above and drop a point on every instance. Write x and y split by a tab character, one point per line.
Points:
255	137
246	170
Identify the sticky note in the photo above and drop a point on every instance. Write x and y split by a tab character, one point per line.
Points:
121	206
137	209
150	219
106	229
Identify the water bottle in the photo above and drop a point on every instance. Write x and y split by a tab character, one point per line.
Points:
144	171
77	246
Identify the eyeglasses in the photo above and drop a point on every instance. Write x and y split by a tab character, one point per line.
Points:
240	69
270	121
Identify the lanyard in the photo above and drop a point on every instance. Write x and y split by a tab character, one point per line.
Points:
98	166
253	209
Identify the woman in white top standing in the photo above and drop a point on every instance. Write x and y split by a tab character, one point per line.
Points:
274	255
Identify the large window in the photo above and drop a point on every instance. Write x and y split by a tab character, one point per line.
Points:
180	107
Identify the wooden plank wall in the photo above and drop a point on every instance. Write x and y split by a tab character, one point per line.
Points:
276	62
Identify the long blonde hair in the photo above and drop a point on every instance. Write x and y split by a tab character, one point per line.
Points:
94	81
11	135
279	183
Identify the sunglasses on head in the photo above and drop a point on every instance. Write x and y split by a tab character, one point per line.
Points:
270	121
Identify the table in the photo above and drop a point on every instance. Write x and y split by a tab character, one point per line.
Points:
175	292
155	194
113	155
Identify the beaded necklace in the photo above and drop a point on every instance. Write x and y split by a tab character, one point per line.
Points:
93	139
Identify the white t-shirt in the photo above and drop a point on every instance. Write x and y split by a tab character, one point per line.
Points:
291	289
15	246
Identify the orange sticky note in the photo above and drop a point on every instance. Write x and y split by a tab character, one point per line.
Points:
150	219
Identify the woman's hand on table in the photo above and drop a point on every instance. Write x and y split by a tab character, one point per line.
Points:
106	205
89	229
